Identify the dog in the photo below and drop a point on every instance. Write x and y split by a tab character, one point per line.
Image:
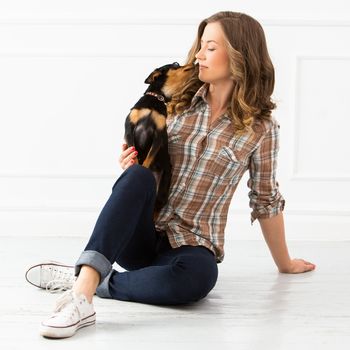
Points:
146	128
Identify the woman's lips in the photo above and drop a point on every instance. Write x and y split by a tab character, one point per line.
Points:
201	67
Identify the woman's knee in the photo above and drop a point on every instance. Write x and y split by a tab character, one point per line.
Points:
138	175
196	280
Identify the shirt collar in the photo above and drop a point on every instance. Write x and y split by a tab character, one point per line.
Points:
201	94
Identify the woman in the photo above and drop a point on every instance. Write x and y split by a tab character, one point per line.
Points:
220	125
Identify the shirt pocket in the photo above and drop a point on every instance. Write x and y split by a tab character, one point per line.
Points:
175	147
225	165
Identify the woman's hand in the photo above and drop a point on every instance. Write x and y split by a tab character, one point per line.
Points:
298	266
273	230
126	159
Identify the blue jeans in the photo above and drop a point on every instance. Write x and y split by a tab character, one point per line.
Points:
125	233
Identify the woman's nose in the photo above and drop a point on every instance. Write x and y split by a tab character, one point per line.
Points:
199	55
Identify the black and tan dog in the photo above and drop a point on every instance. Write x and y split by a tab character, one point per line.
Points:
146	129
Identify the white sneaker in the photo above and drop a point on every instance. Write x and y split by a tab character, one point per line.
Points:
71	313
51	275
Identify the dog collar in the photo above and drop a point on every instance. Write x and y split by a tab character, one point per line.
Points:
159	97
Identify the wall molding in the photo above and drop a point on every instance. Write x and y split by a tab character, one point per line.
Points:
313	178
296	175
46	54
166	21
64	208
96	176
64	54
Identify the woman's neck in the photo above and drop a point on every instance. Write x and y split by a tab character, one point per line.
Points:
219	95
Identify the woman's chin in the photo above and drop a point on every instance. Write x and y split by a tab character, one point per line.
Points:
203	79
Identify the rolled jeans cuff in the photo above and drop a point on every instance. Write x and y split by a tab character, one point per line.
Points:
96	260
103	289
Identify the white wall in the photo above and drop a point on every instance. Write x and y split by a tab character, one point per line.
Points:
71	70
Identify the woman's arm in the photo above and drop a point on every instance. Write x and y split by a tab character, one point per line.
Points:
273	230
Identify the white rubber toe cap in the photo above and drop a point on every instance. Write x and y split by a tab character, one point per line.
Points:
33	276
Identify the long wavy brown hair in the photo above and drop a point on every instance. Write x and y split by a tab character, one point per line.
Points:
252	71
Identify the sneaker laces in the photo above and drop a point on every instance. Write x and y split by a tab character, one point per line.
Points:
61	281
66	299
63	300
56	286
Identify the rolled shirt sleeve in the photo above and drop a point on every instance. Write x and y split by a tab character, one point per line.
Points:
264	196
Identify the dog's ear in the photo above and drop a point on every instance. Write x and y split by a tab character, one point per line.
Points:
150	79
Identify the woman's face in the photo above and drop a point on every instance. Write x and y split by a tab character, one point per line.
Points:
213	57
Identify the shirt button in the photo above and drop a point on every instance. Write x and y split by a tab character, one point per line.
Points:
183	184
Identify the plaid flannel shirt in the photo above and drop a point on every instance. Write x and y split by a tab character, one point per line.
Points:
208	162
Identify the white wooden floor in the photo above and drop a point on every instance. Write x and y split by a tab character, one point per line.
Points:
252	306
